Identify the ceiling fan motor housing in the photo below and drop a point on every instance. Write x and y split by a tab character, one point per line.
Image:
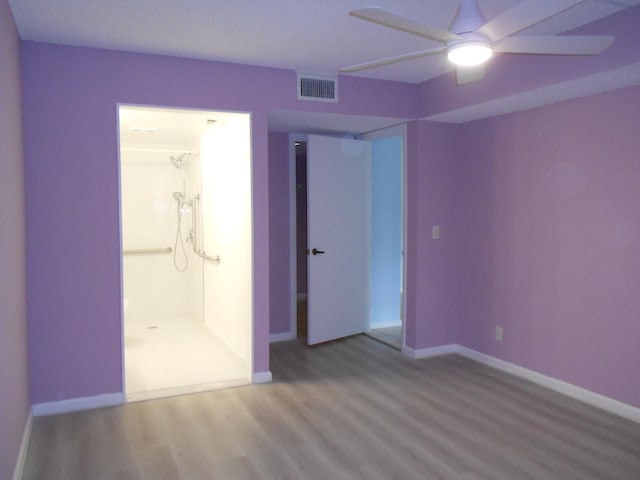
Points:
468	19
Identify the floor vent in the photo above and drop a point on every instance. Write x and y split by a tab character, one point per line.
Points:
322	89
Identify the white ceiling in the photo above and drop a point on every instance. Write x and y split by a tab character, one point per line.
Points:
310	36
143	127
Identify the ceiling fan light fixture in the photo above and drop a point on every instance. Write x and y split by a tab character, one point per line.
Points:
468	54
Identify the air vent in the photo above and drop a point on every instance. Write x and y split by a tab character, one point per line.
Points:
322	89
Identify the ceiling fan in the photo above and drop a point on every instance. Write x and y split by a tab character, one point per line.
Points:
471	40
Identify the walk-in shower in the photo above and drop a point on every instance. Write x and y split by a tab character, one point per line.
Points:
187	257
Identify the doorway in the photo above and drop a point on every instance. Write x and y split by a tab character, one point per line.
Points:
384	218
386	309
186	238
300	236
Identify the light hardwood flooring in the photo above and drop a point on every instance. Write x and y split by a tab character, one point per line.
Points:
347	410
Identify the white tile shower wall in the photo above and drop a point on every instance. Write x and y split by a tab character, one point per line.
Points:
195	294
154	287
226	176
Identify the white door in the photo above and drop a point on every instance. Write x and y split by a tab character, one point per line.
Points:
338	250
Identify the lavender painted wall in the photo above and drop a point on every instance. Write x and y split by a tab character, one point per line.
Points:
14	395
552	246
433	266
71	158
279	233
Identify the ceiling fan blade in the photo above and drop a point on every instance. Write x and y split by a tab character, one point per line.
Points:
390	60
398	22
466	75
555	45
523	15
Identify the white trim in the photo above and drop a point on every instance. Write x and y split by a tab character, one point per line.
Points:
22	453
262	377
282	337
120	254
252	239
595	399
430	352
76	404
368	236
578	393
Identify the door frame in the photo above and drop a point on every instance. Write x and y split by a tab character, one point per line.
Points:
394	131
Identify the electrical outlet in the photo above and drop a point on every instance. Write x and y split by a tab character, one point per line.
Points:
499	334
435	232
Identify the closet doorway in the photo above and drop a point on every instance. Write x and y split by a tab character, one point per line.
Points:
383	218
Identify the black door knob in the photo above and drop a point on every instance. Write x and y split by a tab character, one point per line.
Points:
315	251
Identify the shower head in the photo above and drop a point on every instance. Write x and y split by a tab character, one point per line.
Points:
177	161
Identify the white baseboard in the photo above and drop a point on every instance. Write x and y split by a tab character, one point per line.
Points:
76	404
391	323
282	337
587	396
430	352
261	377
595	399
22	453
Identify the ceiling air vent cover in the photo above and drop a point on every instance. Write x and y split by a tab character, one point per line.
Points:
313	87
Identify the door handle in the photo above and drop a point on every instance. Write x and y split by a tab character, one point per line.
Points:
315	251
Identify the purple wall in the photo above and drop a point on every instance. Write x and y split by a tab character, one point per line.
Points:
279	233
71	158
14	395
553	241
433	266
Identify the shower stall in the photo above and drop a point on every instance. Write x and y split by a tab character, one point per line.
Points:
186	250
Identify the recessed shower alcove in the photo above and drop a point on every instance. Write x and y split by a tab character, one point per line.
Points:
186	239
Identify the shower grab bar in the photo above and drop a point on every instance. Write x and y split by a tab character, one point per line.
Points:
196	240
204	256
148	251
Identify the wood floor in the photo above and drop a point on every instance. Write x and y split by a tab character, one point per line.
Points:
346	410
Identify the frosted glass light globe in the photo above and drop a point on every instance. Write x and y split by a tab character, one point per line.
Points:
469	54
